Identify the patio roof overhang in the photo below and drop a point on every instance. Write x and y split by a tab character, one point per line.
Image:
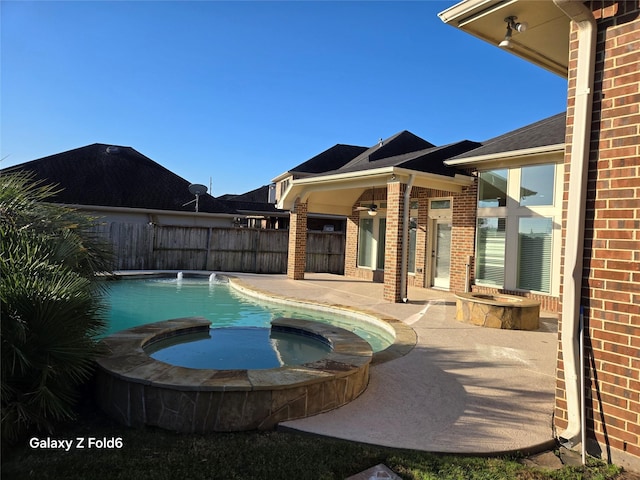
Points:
495	160
544	43
337	193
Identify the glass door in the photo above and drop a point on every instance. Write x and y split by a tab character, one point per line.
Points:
441	254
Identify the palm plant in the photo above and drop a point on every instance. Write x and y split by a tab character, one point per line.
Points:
51	304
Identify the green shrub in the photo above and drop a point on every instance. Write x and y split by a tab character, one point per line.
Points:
51	305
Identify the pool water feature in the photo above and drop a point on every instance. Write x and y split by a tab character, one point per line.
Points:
138	302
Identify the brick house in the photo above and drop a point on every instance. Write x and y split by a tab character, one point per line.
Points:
596	46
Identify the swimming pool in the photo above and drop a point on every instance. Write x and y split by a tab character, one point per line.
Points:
134	302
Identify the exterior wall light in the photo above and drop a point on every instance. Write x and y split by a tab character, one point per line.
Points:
511	26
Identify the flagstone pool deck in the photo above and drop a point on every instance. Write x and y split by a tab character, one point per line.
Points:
461	389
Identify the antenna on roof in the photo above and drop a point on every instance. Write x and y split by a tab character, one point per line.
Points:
197	190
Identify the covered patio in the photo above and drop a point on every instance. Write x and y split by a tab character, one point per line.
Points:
389	215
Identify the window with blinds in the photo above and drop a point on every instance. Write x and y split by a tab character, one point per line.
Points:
534	253
365	242
490	251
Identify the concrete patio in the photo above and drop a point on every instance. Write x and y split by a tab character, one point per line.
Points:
462	389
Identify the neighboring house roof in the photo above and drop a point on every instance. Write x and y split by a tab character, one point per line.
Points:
115	176
260	194
545	133
254	201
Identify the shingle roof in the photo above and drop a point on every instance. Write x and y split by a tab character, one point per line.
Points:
260	194
550	131
405	150
398	144
256	200
117	176
331	159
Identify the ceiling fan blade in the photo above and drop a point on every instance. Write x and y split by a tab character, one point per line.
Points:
372	206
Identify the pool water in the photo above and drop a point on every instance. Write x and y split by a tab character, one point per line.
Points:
137	302
235	348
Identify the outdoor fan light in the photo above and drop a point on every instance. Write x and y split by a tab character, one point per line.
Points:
511	26
372	209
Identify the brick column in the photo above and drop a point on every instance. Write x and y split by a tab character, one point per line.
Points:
463	236
393	250
297	256
351	245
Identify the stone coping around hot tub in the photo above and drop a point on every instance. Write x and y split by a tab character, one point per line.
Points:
498	299
405	337
128	360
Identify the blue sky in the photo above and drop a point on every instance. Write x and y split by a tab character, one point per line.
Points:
241	91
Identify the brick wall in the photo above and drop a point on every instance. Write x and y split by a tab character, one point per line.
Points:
463	235
611	274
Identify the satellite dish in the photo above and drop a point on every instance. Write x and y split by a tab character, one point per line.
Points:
196	189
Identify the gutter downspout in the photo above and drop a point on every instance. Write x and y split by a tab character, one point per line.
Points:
405	238
576	208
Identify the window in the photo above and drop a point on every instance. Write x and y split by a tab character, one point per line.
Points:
413	228
382	234
492	188
490	251
371	242
536	185
534	254
519	209
365	243
440	204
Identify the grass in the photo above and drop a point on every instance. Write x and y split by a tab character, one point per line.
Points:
157	454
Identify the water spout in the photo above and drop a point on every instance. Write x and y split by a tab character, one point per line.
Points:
179	277
212	278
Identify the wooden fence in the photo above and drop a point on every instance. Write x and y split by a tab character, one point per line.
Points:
141	247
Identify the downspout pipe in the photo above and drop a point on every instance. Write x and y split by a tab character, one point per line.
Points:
576	212
405	238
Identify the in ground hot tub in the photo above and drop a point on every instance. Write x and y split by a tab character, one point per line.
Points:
136	389
498	311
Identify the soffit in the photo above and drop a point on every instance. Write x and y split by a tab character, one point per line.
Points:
336	194
544	43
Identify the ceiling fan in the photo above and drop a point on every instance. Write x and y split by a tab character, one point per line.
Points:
372	208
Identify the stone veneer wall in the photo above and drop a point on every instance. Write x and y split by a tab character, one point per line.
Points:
611	273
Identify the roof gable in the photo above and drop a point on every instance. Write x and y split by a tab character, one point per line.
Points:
398	144
331	159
